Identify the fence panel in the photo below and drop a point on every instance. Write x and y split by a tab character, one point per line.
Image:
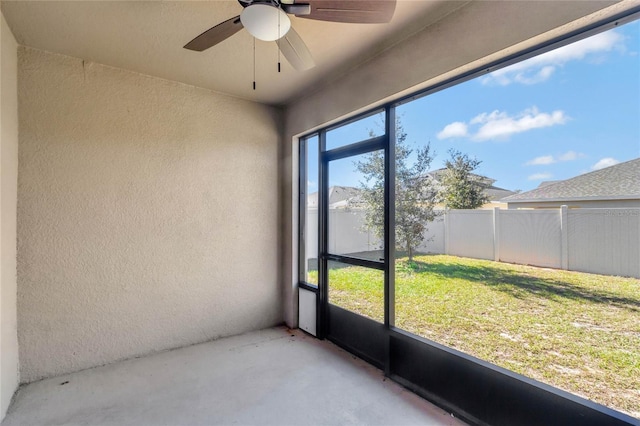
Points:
434	237
605	241
470	233
346	233
531	237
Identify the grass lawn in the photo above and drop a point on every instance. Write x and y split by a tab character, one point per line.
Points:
575	331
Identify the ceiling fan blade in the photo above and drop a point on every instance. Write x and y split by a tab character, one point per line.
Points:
351	11
215	35
296	51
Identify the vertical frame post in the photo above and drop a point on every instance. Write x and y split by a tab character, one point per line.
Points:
302	209
564	229
389	216
389	229
496	234
322	311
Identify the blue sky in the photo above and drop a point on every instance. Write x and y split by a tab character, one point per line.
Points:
555	116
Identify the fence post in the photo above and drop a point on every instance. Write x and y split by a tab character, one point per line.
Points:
564	216
496	234
446	231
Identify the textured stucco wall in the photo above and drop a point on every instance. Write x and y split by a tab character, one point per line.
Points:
147	215
471	37
8	200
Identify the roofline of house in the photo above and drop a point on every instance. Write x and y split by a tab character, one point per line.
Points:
557	200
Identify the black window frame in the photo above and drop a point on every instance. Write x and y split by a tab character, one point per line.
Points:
302	212
475	390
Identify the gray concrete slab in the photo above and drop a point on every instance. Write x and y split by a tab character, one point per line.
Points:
269	377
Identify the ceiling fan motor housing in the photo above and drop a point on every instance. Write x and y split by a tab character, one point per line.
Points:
265	21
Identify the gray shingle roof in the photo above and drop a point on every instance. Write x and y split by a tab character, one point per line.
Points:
496	194
615	182
337	195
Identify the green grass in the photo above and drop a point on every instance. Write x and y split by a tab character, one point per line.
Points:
576	331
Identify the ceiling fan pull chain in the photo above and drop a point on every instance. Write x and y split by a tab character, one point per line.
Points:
278	43
254	63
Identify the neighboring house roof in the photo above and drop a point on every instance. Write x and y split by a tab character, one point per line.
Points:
496	194
339	196
618	182
493	192
437	175
547	182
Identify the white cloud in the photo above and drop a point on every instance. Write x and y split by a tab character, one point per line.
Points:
454	130
499	125
486	117
541	161
540	68
604	162
570	156
540	176
312	184
543	74
545	160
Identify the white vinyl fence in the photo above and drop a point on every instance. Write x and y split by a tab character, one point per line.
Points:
602	241
529	237
469	233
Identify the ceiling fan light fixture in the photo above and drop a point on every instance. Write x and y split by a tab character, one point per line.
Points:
265	21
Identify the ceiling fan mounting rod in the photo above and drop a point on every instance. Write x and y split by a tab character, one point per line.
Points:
245	3
299	9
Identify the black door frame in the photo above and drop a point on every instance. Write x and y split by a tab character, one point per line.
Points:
362	336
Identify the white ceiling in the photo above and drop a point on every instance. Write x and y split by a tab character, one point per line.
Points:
147	37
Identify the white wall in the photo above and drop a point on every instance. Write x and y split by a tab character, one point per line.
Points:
474	35
137	224
8	199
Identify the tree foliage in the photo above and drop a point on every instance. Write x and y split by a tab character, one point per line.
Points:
461	188
416	194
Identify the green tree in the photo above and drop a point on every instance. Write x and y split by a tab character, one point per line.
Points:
461	188
416	194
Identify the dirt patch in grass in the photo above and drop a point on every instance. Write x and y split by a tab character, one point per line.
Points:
575	331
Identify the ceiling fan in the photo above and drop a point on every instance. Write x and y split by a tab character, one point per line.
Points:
267	20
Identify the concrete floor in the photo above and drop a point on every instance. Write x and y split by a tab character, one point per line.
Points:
273	376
